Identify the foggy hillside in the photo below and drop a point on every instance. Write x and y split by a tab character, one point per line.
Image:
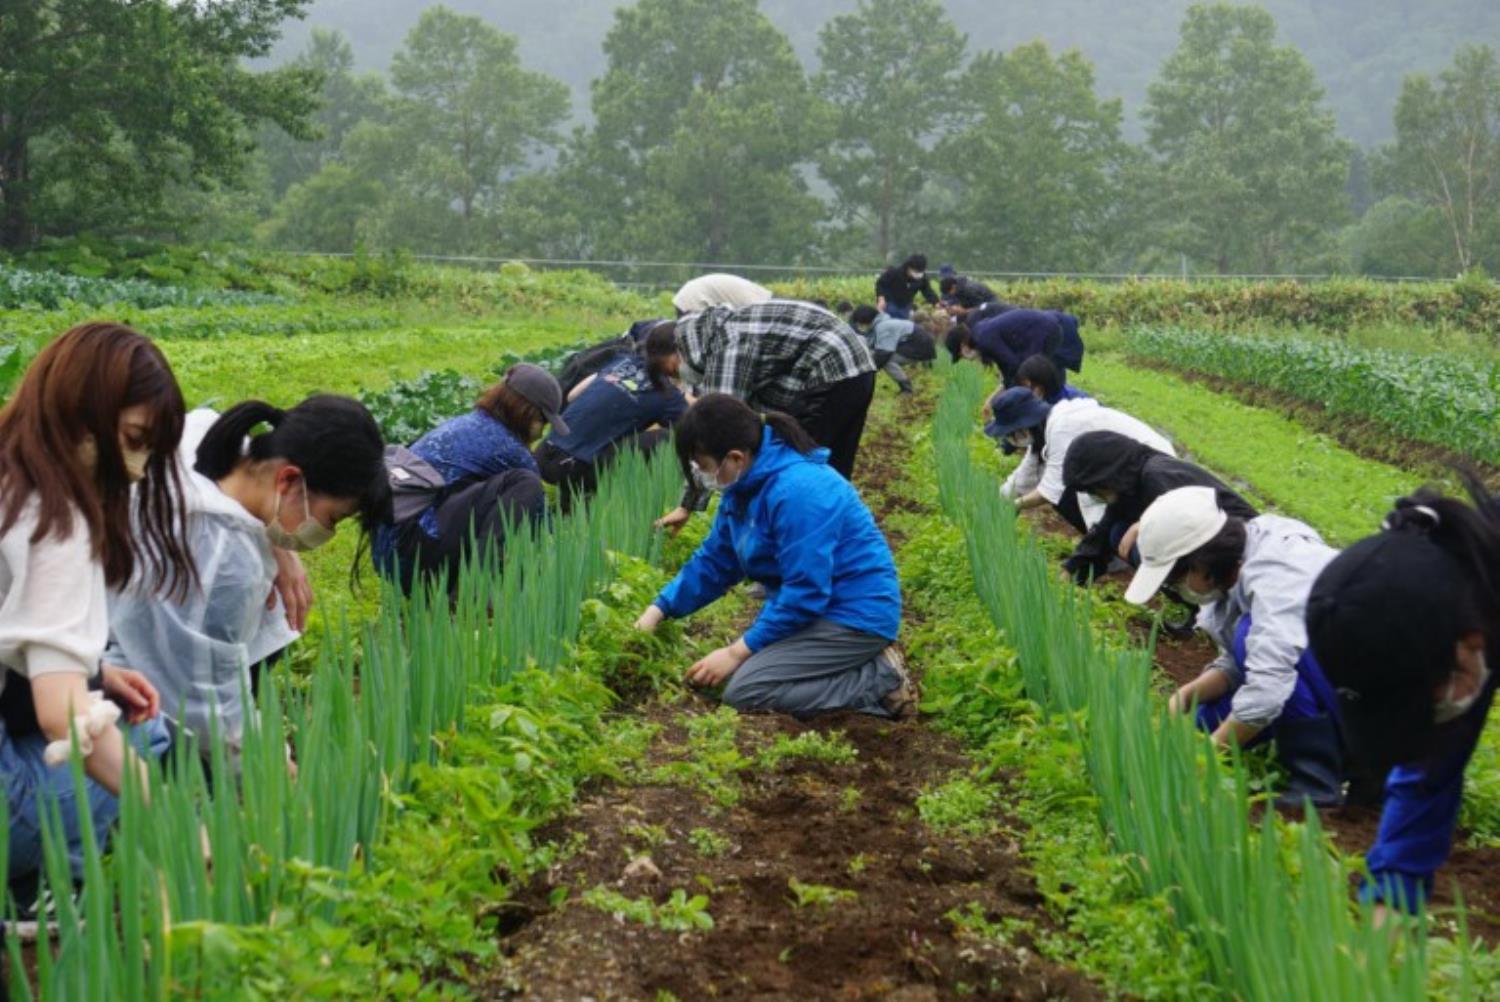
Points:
1360	48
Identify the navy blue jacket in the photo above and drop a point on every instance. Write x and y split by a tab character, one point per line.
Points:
796	526
897	287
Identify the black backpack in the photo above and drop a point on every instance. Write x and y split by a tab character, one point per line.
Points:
582	364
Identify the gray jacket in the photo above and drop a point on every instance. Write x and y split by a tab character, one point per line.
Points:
1282	559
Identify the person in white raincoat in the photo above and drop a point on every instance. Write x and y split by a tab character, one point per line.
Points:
321	462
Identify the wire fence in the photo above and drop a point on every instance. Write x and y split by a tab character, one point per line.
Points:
666	275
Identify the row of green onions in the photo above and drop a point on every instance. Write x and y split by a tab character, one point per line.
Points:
379	702
1268	904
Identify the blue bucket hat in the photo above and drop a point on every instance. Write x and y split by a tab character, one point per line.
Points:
1014	409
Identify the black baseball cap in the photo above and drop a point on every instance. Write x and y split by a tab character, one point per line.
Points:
1382	621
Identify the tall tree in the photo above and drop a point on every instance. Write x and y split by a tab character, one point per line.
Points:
891	73
467	114
345	98
1040	171
1447	149
1253	173
703	124
106	105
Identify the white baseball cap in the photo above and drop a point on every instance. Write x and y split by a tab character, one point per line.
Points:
1176	524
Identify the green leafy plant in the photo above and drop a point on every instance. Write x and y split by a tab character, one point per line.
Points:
708	842
961	804
813	746
818	895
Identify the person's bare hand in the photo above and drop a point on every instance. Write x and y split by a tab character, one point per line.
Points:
714	669
650	619
293	587
142	701
674	520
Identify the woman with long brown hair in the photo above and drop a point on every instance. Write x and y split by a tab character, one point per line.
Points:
97	411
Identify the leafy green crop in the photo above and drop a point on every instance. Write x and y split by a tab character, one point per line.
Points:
1444	400
52	290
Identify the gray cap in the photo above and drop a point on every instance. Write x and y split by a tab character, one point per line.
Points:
539	388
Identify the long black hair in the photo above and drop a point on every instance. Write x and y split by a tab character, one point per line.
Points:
1041	372
656	349
333	440
719	423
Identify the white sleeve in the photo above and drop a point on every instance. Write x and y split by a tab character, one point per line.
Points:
1023	478
54	615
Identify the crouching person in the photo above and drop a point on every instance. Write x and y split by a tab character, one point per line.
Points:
823	640
1250	580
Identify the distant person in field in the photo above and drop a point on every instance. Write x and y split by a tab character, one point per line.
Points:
960	294
825	638
708	291
251	504
1406	624
1011	337
1127	476
632	401
785	356
582	364
897	288
893	342
1043	378
89	503
1046	432
1250	579
469	477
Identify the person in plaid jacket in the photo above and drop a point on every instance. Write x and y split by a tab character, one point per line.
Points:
780	355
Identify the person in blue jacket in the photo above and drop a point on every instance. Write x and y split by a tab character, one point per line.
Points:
1406	624
490	480
1010	338
632	400
824	640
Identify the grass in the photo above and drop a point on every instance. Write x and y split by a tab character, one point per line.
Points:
1303	474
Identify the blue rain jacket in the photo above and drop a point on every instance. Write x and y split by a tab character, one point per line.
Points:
1421	812
796	526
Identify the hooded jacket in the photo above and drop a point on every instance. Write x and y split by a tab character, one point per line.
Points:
198	652
1137	474
797	527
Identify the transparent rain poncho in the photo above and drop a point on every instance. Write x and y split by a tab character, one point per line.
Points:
198	651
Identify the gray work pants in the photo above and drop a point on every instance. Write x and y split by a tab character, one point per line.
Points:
819	669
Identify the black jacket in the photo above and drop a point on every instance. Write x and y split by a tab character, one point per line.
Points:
897	287
1138	475
971	294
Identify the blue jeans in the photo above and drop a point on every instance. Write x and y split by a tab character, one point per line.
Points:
29	781
897	312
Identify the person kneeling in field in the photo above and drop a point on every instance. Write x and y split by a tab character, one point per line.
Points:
1046	432
631	401
250	504
468	479
1250	579
824	640
1407	624
1128	476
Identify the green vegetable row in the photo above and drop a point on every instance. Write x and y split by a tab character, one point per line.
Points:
379	709
52	290
1445	400
1266	906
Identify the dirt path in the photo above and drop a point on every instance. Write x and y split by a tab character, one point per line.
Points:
805	840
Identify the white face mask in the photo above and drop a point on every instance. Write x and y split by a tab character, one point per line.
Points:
917	276
1448	708
1200	597
710	481
135	465
310	533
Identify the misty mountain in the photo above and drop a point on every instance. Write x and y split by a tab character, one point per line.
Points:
1361	49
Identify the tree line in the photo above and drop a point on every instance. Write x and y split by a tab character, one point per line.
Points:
708	140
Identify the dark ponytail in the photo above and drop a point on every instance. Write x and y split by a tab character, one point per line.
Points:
719	423
332	439
1469	535
656	349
